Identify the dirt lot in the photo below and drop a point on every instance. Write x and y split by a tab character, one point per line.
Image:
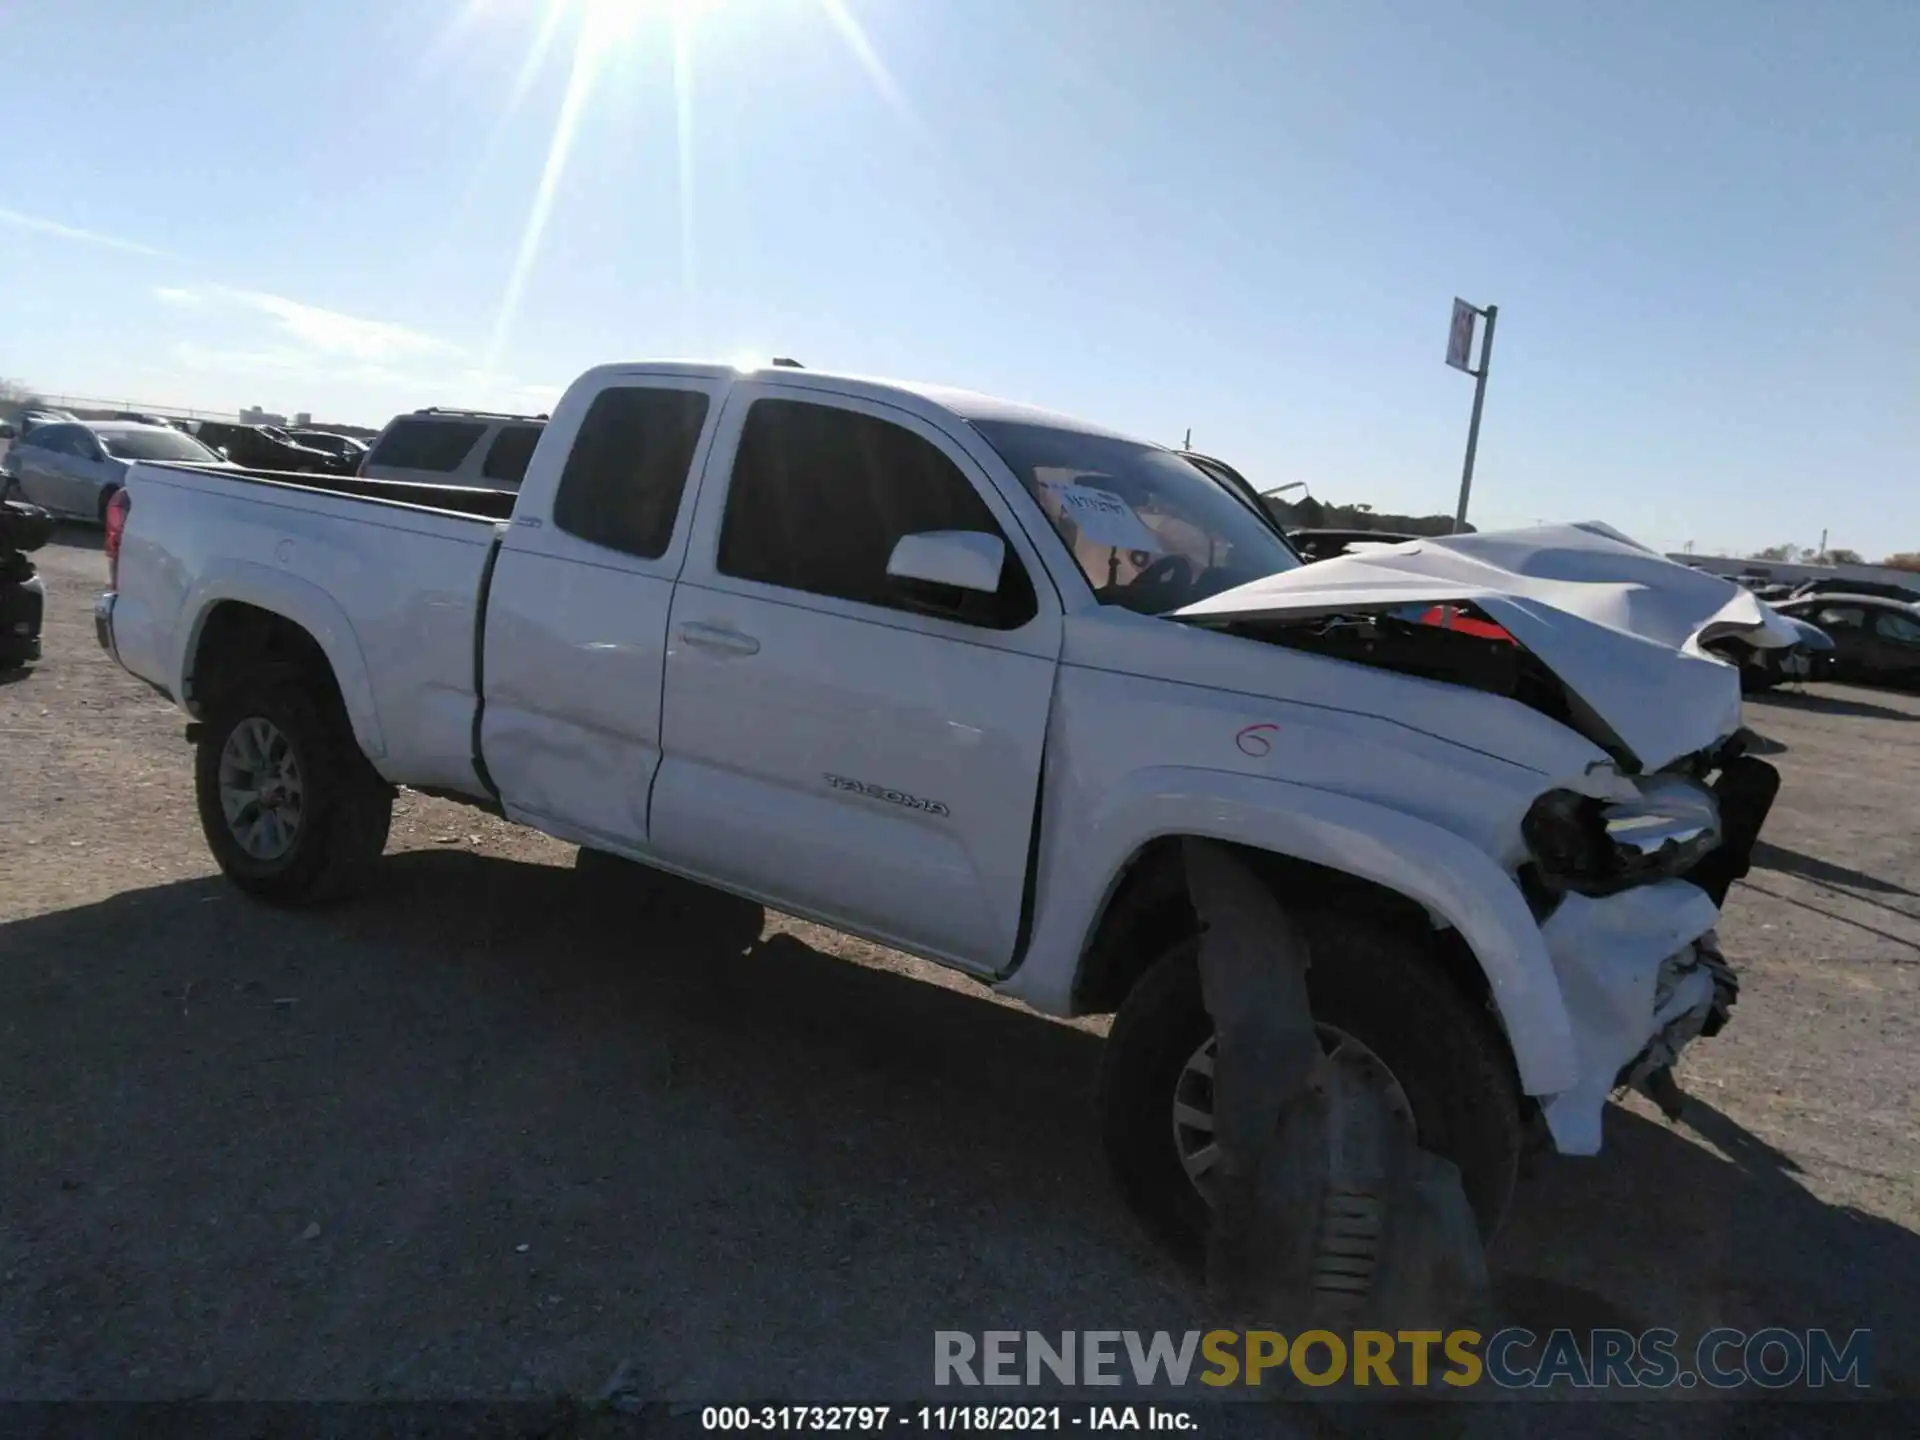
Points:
482	1134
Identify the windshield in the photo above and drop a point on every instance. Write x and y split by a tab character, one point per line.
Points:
156	444
1150	531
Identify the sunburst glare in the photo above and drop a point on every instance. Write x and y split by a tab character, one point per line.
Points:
602	29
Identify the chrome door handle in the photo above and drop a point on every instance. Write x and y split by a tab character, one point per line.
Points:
719	637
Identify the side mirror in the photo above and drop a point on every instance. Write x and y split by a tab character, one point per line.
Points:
965	560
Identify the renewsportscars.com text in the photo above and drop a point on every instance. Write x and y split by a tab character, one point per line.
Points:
1509	1359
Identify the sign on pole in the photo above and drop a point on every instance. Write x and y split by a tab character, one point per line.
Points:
1460	337
1460	356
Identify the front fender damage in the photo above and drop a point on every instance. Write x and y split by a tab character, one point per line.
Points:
1325	1210
1641	972
1642	975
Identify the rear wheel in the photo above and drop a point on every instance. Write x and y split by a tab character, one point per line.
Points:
291	809
1384	1012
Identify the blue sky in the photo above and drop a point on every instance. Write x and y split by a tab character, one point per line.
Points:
1700	221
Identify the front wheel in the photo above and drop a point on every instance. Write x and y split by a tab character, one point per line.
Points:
1382	1008
1761	674
291	809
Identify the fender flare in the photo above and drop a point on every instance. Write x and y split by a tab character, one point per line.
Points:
1452	878
307	606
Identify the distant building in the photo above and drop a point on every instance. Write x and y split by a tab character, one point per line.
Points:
254	415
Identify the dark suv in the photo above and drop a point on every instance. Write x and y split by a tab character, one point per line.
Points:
253	447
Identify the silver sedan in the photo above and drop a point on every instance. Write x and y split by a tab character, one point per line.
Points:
74	469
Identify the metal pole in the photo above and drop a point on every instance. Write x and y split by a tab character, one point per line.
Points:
1473	425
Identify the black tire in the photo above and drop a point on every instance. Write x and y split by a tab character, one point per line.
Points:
345	811
1761	674
1369	980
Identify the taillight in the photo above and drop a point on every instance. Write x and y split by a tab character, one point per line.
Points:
118	508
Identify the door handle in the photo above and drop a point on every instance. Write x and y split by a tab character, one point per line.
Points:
719	637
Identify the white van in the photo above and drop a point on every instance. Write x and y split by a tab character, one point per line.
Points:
478	448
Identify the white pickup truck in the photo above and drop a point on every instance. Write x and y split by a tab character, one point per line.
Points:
958	676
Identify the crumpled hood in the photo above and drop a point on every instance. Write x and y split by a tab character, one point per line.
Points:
1621	626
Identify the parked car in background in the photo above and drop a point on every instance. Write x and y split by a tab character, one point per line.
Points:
142	418
337	463
1879	589
348	450
34	416
75	469
1875	640
1810	657
258	448
455	447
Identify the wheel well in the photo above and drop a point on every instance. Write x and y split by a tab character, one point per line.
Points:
238	641
1150	911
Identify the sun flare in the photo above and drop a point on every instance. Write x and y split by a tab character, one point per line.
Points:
603	28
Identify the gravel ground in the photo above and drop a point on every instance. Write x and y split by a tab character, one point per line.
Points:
491	1131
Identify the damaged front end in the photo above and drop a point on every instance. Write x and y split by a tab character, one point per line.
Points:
1630	895
1626	865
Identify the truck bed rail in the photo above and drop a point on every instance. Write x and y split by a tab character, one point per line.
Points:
466	501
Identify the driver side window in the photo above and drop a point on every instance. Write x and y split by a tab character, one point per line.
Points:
820	496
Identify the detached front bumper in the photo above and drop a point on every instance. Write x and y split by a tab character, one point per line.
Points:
1641	972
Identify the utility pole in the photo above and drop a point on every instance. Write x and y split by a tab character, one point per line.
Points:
1459	355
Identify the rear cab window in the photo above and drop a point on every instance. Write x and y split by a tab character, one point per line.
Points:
628	468
420	444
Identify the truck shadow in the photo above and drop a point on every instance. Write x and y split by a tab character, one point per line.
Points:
1824	872
1822	703
500	1119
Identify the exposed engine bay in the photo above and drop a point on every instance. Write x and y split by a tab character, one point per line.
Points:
1410	647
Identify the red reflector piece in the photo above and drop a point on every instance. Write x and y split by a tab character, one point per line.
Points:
1449	618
